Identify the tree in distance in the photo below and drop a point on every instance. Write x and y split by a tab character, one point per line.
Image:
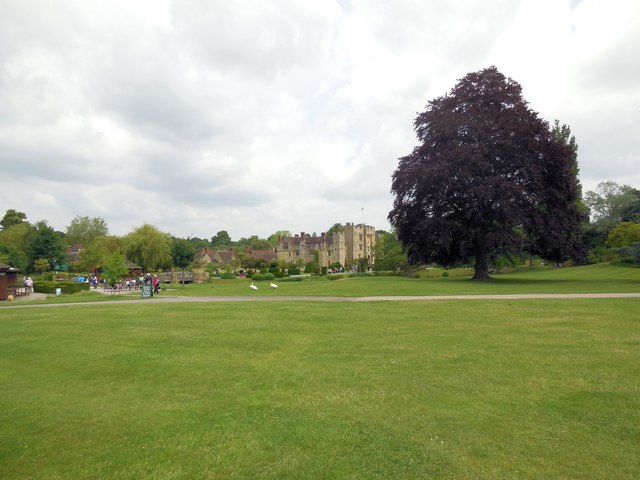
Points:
84	230
149	247
182	254
389	253
115	268
46	245
609	202
12	217
487	178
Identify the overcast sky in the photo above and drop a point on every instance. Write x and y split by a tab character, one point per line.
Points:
253	116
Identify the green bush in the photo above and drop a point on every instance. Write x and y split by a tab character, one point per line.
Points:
258	277
227	276
445	274
269	276
388	273
294	271
67	287
292	279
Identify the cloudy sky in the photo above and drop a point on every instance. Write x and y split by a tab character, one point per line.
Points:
253	116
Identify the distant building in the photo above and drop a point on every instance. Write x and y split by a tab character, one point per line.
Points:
215	257
222	258
346	246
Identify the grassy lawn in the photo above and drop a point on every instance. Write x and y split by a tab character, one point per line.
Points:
444	390
600	278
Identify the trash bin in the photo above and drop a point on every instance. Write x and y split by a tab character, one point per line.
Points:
58	292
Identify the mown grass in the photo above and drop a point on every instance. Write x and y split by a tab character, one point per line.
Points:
599	278
447	390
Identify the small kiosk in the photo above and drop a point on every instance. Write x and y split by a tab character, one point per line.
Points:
8	276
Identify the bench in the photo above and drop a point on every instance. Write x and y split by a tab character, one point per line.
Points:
19	291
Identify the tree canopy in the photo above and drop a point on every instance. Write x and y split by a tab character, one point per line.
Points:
487	175
84	230
97	253
148	247
12	217
182	253
389	253
47	245
222	239
609	202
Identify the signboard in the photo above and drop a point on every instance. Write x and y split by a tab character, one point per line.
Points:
146	291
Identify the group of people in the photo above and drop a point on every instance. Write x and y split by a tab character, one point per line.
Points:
151	280
129	283
28	283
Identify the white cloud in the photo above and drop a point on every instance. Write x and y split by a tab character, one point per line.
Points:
257	116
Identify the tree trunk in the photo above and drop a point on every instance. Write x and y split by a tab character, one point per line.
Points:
481	266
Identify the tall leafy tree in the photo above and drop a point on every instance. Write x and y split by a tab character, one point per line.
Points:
115	268
562	134
96	254
389	253
12	217
254	243
334	228
609	201
609	204
47	244
182	254
486	174
198	243
84	230
149	247
273	238
14	242
13	257
631	211
221	240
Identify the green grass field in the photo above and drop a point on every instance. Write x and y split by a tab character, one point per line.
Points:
440	390
509	389
599	278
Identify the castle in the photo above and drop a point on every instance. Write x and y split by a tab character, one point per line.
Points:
348	245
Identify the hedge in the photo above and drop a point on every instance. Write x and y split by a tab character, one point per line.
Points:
67	287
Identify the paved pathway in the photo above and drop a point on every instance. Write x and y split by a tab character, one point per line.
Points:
169	299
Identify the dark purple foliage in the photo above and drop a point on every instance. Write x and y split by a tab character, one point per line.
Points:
487	178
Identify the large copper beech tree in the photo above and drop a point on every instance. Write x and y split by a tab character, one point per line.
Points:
487	178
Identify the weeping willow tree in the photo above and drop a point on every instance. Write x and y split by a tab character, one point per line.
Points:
148	247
